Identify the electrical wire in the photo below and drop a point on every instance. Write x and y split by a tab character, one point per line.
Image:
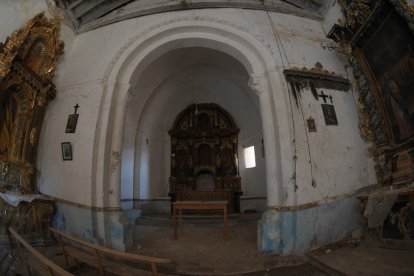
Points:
281	50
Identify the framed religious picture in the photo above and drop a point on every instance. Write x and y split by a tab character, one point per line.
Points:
66	151
389	55
72	122
311	124
329	114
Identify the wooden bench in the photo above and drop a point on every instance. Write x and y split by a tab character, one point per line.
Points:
103	258
218	195
36	262
198	205
203	195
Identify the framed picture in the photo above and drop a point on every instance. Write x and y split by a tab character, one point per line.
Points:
311	124
72	122
389	54
329	114
66	151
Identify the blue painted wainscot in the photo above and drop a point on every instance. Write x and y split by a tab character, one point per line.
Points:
298	231
108	228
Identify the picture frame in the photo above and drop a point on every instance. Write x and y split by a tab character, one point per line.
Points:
329	115
311	124
66	151
391	67
71	124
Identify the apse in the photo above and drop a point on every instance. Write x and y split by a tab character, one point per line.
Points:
170	84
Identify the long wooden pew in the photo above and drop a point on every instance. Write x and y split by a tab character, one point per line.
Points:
103	258
36	262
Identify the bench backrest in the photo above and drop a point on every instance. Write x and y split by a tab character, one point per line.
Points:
51	267
203	195
110	252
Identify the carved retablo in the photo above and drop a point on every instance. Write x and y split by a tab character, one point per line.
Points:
377	37
204	159
28	59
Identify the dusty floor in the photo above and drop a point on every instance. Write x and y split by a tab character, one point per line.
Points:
366	258
202	250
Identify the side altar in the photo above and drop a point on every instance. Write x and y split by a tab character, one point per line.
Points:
27	62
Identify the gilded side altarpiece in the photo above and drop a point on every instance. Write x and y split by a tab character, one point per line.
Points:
27	62
28	59
377	37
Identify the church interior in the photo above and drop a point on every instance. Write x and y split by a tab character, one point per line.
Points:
254	137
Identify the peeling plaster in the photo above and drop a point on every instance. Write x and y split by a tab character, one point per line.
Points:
115	161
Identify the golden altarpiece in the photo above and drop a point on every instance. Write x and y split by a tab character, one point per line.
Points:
27	62
377	36
204	159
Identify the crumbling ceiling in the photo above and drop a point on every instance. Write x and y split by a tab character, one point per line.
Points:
86	15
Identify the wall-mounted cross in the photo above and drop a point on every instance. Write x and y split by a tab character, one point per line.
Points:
323	96
76	108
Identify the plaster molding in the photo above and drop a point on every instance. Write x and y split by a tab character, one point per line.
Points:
184	19
257	83
127	99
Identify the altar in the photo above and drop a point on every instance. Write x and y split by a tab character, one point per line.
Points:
204	157
27	62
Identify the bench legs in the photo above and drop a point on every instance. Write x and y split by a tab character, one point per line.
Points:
225	223
181	221
175	222
180	225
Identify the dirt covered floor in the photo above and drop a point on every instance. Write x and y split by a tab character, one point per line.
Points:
202	250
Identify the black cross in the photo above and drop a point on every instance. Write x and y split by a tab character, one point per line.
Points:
322	95
76	108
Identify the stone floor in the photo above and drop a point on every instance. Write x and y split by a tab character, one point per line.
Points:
202	250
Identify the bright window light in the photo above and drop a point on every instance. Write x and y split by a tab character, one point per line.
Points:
249	157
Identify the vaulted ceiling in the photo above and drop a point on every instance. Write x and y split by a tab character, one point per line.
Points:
86	15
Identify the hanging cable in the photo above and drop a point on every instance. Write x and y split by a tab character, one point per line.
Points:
282	53
307	142
196	99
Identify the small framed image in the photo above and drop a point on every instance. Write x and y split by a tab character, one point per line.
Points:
72	122
66	151
311	124
329	114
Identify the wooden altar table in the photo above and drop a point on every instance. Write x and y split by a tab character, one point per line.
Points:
198	205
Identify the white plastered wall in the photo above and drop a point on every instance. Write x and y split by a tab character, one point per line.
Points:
84	79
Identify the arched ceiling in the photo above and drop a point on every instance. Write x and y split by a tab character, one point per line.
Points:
87	15
168	86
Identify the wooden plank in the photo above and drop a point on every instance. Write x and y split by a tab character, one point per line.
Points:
94	259
45	261
124	255
104	264
81	256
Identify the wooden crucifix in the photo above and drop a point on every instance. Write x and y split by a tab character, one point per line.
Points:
72	121
323	96
76	108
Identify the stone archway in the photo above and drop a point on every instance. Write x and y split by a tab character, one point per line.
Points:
265	80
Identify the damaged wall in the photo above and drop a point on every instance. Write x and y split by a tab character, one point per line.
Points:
323	168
